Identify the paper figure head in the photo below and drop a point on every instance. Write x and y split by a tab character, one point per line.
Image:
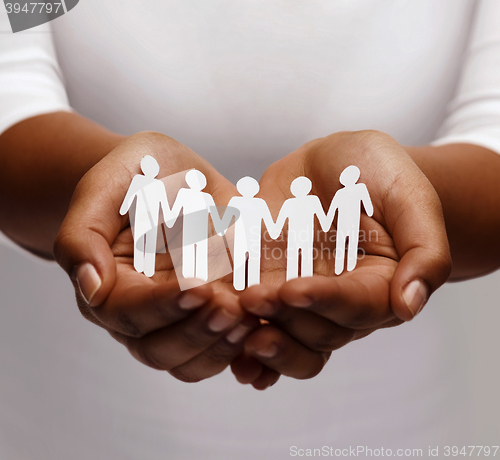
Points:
248	187
196	180
350	175
150	166
301	186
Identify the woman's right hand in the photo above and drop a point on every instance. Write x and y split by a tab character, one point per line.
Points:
192	334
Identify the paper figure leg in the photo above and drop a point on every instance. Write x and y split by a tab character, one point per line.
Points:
239	268
202	260
254	266
352	251
150	254
339	253
188	255
306	265
292	263
139	254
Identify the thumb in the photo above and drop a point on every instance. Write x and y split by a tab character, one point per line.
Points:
419	273
420	237
83	245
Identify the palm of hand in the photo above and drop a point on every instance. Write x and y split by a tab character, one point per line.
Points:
132	287
378	256
334	310
353	304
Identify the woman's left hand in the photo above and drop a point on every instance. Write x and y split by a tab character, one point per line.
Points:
406	258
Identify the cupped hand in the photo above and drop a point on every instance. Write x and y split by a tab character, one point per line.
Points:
192	334
404	257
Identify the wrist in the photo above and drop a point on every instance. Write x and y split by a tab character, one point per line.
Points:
465	176
43	158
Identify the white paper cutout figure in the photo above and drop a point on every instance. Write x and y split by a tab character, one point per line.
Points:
150	197
300	212
347	201
196	206
247	231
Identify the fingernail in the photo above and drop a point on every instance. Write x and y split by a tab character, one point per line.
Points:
268	352
264	308
88	282
238	333
189	301
220	320
300	302
415	295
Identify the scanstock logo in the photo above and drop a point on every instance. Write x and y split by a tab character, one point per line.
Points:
26	15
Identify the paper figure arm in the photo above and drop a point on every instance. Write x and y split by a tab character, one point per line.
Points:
219	227
176	208
280	221
129	197
214	213
272	227
323	218
231	211
333	209
165	208
367	202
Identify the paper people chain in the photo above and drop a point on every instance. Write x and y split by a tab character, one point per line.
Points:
248	213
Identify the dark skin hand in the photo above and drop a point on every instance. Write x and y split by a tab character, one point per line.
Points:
466	180
192	335
406	258
43	158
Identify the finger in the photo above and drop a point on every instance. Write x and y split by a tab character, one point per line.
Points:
172	346
266	379
246	368
218	356
278	351
355	300
137	306
314	331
